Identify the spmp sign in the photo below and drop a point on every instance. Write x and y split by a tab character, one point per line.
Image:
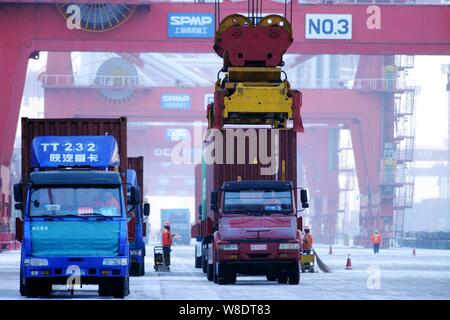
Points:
176	101
328	26
191	25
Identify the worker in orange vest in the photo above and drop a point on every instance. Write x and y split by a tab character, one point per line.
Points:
167	243
376	241
307	241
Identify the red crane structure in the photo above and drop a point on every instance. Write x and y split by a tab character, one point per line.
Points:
370	109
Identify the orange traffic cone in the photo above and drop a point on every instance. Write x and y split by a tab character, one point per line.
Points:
349	263
414	252
331	250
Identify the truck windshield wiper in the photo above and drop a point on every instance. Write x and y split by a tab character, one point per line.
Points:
71	216
44	216
233	211
90	215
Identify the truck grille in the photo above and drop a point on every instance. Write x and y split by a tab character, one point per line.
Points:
258	255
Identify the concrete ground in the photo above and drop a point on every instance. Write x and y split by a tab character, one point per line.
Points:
393	274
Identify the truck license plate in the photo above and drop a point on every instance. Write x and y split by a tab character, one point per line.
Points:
258	247
76	272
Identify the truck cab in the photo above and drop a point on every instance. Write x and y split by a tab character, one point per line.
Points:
258	232
137	214
74	219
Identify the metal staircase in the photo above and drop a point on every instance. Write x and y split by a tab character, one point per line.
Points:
404	142
347	179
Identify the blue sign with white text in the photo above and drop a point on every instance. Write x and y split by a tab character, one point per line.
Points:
177	134
75	151
190	25
176	101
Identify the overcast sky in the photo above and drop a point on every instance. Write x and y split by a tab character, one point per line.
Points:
432	101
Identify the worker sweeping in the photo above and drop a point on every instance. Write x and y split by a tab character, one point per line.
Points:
307	241
167	243
376	240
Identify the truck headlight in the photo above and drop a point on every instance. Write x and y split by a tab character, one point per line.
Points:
228	247
289	246
36	262
115	261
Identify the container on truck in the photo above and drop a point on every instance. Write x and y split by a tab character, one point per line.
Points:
137	216
73	227
249	222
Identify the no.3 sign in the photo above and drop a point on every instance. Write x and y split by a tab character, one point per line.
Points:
328	26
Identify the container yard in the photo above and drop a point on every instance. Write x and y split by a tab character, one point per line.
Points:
256	151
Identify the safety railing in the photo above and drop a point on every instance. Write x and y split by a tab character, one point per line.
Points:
405	149
399	223
404	61
118	82
360	84
404	196
378	2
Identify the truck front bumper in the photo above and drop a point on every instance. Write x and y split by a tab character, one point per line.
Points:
270	251
89	269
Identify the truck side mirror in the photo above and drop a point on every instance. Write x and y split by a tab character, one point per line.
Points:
134	196
200	212
144	229
146	209
304	198
18	192
19	229
300	223
214	197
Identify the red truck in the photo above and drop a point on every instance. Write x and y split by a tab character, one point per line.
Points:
247	221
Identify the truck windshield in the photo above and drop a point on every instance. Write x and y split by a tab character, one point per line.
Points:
259	201
68	201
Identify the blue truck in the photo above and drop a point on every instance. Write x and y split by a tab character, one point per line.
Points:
180	224
73	227
137	216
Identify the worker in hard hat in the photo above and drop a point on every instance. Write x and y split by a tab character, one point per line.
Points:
307	241
376	240
167	242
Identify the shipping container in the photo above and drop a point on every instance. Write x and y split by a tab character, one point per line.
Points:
180	224
73	127
198	191
249	154
137	164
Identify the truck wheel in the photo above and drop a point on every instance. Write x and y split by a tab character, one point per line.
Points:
34	289
282	278
135	269
142	273
214	273
204	265
294	274
22	284
198	262
121	288
105	289
271	277
31	290
47	289
221	274
231	277
210	272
